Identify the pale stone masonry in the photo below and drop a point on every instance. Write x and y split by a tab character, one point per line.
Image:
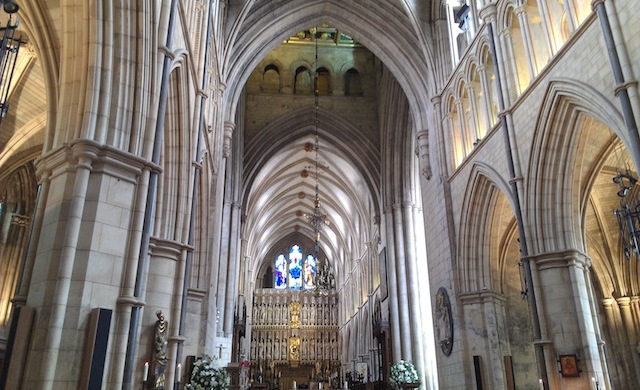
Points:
162	155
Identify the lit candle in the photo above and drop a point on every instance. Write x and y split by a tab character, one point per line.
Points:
346	385
146	371
179	372
294	385
320	385
541	384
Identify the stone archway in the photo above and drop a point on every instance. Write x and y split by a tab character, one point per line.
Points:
569	153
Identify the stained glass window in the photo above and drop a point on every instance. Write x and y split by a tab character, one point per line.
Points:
309	272
295	268
297	273
280	272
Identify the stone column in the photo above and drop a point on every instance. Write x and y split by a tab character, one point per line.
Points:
453	42
464	132
547	28
474	114
413	286
450	152
615	338
630	78
511	72
232	272
521	13
629	325
399	258
72	185
394	316
563	295
486	96
486	334
570	16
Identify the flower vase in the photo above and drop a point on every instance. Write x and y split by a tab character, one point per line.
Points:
412	385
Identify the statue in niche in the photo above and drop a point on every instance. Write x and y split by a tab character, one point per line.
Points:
160	338
294	348
294	310
304	348
263	314
312	349
444	322
261	349
283	348
334	349
313	314
269	346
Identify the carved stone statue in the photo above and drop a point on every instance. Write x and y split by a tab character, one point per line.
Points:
160	350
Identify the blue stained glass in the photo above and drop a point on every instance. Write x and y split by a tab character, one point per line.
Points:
295	268
280	273
310	272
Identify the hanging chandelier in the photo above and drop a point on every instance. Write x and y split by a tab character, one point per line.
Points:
324	280
9	48
628	215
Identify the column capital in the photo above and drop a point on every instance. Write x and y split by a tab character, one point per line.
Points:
521	9
422	135
623	301
607	303
229	128
484	296
422	150
564	259
488	12
596	3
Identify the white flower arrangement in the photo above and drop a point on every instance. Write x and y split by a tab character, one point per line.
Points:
403	372
207	374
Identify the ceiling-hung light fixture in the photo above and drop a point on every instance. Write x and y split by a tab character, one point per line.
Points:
628	214
324	280
9	47
9	6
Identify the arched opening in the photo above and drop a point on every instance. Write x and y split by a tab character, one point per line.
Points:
271	79
302	81
352	84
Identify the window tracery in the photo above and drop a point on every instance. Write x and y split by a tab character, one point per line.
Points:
297	273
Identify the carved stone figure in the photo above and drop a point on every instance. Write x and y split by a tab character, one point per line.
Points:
160	350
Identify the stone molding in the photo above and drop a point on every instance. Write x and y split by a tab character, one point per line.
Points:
102	158
564	259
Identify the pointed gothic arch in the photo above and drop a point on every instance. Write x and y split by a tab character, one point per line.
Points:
413	69
562	168
486	197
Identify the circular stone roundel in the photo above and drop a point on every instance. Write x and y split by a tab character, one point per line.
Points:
444	322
